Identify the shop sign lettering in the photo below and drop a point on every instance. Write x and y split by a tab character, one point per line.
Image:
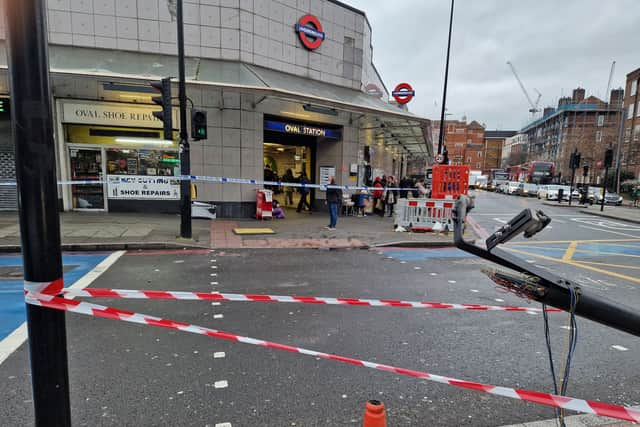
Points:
300	129
111	114
143	187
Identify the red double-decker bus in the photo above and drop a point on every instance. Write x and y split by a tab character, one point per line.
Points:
536	172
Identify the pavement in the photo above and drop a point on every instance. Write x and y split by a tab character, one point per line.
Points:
116	231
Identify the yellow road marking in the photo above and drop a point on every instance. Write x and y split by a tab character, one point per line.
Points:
546	242
568	254
587	251
609	265
576	264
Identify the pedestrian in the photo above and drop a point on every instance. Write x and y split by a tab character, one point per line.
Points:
334	196
635	196
377	195
288	190
391	194
404	184
304	191
421	188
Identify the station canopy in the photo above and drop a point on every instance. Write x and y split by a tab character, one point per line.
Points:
380	120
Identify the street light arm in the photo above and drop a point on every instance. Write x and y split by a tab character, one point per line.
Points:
537	283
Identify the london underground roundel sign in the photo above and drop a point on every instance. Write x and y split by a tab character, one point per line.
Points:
403	93
310	32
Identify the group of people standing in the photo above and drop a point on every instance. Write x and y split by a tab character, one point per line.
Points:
386	193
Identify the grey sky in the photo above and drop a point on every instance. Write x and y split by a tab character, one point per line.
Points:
555	45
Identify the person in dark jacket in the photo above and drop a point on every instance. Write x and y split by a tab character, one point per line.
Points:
334	197
304	191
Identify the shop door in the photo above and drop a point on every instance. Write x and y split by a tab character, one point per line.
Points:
86	165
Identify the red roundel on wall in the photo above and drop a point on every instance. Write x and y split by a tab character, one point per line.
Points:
403	93
310	32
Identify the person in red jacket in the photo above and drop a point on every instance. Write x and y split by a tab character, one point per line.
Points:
377	195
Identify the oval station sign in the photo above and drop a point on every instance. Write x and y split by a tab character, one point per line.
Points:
403	93
310	32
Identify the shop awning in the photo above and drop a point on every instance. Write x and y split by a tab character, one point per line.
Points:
403	129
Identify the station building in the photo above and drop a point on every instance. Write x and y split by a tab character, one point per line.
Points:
286	84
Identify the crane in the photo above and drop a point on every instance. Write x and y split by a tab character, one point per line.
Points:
534	106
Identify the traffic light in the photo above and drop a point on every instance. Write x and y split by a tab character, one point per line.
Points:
445	154
164	100
608	158
585	170
198	125
574	160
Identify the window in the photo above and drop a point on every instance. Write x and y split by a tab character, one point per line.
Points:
142	162
634	87
638	110
599	136
459	144
459	130
478	165
630	113
469	141
479	154
627	134
601	120
636	132
450	128
468	160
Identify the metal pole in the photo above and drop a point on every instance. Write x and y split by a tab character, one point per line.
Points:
604	187
623	118
446	78
32	128
573	176
185	161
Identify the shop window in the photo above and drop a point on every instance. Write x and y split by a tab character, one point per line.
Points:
123	161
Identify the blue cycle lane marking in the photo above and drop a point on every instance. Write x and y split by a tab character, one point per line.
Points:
584	250
12	308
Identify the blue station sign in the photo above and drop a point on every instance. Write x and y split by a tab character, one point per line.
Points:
301	129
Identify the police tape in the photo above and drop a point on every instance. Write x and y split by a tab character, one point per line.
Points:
218	296
562	402
245	181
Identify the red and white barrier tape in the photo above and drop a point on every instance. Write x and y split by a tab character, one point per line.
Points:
570	403
216	296
49	288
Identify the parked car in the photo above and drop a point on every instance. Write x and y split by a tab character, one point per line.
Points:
502	187
527	190
512	186
609	198
550	192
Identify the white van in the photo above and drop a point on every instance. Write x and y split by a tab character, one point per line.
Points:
512	186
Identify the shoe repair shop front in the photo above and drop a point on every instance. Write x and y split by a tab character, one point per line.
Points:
120	145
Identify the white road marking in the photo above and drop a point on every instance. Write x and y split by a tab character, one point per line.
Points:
214	274
178	261
19	335
218	316
500	220
609	231
451	281
221	384
417	268
614	225
498	299
213	260
433	274
215	303
223	425
403	262
619	347
214	283
219	354
475	290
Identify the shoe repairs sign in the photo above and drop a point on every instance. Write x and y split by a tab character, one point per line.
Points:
140	187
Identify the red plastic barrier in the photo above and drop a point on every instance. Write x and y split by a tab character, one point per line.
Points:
449	181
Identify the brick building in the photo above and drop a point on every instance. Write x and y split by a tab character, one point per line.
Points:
464	142
494	140
586	123
630	151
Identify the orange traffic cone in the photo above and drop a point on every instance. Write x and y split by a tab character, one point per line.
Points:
374	414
